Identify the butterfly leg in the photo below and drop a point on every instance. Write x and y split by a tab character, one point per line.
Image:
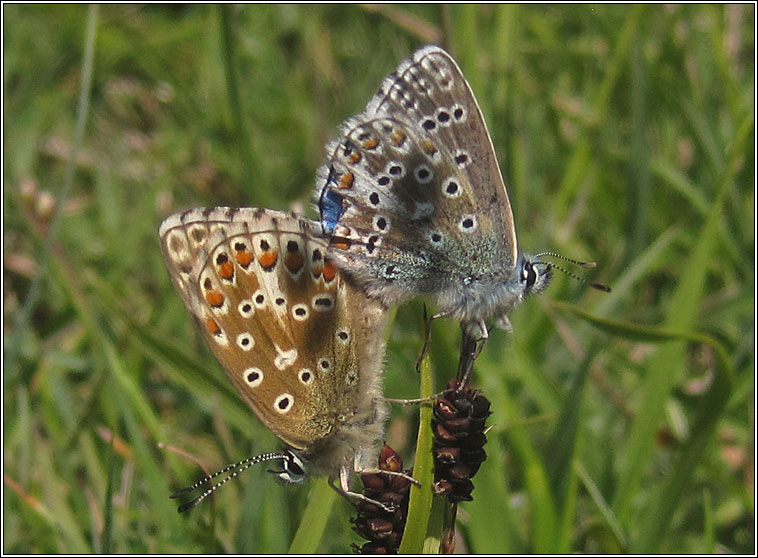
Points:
344	490
473	337
427	322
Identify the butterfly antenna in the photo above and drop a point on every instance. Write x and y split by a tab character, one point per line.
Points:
237	468
586	265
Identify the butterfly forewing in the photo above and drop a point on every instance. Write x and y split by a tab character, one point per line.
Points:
276	315
412	193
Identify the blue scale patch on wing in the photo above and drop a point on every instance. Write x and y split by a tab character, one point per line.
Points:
330	204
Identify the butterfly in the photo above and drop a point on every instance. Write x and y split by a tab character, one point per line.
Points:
413	200
301	345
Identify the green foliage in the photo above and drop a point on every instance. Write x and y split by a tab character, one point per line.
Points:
621	422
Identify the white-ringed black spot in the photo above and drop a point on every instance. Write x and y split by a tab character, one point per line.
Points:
443	116
245	308
373	198
451	189
428	124
423	174
396	170
283	403
245	341
325	364
306	376
462	159
343	335
300	312
435	237
468	223
459	113
381	223
259	299
253	376
322	303
351	378
383	180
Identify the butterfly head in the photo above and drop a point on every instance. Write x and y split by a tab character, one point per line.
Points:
534	275
294	469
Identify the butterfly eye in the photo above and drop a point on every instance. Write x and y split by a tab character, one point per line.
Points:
528	274
294	468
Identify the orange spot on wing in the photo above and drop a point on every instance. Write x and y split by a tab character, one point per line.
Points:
212	326
330	271
268	260
355	158
346	181
428	146
341	244
214	298
244	258
226	270
370	143
397	138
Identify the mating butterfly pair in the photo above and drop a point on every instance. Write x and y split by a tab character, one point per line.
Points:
411	201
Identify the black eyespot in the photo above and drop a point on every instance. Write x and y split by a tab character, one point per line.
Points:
240	246
283	403
279	301
260	298
467	223
316	255
458	113
300	311
265	245
436	237
246	308
207	284
292	246
461	158
381	223
429	124
443	116
383	180
452	187
342	335
374	198
395	170
222	259
253	376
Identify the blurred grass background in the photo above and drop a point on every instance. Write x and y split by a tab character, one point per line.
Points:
626	135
